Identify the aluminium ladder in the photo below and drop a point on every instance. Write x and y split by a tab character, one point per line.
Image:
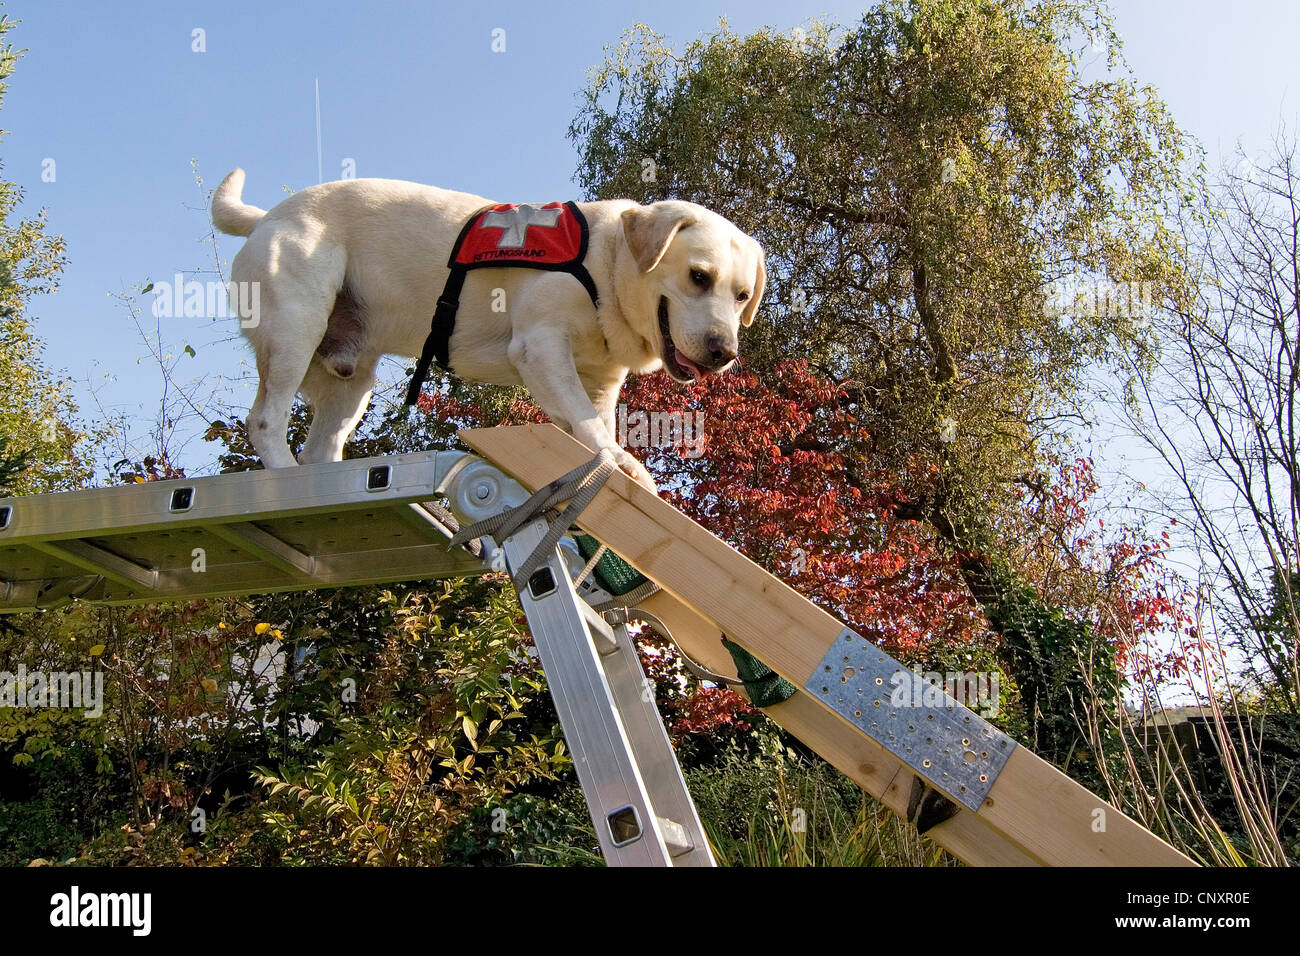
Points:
373	521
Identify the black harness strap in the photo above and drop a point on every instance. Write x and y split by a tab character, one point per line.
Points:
579	272
438	344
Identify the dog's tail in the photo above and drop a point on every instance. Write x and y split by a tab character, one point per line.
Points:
231	214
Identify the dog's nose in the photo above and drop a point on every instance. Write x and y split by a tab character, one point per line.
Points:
720	351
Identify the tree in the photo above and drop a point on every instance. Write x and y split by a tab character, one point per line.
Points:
1221	411
768	478
921	182
38	443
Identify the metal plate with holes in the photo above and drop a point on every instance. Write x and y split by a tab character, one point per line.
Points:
954	748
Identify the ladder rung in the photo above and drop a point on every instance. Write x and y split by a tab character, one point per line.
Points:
601	633
264	546
92	558
676	838
422	516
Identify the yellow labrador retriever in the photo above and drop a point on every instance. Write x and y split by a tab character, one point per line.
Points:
350	271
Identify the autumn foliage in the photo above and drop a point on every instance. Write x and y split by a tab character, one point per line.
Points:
1118	577
772	482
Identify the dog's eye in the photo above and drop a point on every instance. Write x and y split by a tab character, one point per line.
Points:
742	297
701	279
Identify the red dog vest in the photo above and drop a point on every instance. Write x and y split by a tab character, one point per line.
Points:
551	237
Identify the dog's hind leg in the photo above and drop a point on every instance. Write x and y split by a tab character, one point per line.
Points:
298	280
337	406
281	367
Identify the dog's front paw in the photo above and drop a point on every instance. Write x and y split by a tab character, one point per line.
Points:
635	470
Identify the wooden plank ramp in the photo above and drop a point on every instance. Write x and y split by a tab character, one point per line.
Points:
1033	815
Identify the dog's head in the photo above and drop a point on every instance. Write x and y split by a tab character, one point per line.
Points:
700	279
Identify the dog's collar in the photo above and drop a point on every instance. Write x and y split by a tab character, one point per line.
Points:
552	237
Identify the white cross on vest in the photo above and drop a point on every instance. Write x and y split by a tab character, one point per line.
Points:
516	222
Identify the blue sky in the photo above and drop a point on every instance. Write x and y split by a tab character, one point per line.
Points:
114	94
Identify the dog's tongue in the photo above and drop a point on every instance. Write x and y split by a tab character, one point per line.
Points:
690	366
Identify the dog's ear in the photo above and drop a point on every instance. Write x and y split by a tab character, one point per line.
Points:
649	230
760	283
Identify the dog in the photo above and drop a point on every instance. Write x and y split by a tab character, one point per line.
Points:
352	270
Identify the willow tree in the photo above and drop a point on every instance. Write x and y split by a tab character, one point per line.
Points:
923	183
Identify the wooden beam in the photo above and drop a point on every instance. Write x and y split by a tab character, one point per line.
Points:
1041	812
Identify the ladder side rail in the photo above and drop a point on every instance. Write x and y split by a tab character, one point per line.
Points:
653	749
621	809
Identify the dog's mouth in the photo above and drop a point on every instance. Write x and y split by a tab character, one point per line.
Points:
677	365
